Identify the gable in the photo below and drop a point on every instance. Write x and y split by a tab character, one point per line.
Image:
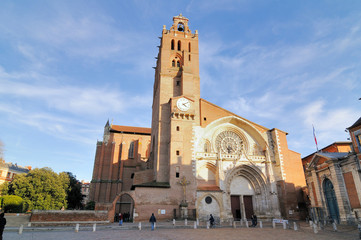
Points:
210	112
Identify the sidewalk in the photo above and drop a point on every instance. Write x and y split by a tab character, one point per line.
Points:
165	230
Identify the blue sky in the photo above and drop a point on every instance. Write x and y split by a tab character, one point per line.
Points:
68	66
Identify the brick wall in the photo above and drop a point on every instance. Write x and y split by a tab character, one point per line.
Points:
351	190
143	176
68	215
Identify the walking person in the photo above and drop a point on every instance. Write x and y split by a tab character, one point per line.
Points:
152	220
211	221
120	219
2	225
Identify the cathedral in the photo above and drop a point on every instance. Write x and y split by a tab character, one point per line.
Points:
197	158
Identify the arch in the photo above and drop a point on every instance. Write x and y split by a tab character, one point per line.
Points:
178	63
131	150
180	27
258	200
255	177
125	205
189	47
179	45
172	44
203	215
207	146
240	123
331	200
173	63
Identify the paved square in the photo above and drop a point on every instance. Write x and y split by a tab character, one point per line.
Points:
185	234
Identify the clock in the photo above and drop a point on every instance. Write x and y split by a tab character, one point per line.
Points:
229	142
183	104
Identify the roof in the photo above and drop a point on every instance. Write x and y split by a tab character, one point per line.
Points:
333	155
356	124
327	155
335	143
266	129
15	167
129	129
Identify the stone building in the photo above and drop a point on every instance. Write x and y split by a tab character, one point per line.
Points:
333	178
85	186
9	170
198	158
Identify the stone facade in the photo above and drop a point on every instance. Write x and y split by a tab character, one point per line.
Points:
200	159
333	177
9	170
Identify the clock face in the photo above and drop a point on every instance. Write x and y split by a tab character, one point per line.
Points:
183	104
228	142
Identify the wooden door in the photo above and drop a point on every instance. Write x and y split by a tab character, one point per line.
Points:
236	207
248	206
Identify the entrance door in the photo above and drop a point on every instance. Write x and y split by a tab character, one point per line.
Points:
236	207
331	200
248	206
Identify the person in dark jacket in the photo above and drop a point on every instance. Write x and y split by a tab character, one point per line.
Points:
211	221
152	220
2	225
254	220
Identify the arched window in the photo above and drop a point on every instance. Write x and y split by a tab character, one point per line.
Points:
172	44
207	147
189	47
173	63
131	150
180	27
179	45
178	64
189	57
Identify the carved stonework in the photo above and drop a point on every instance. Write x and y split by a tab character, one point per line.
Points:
229	142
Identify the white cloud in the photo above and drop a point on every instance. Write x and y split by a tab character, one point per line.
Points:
328	121
75	100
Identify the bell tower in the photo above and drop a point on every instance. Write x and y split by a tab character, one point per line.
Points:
175	107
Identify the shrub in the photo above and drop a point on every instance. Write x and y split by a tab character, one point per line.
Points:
12	204
90	205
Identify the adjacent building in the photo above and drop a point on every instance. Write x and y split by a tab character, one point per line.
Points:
333	178
197	158
9	170
85	187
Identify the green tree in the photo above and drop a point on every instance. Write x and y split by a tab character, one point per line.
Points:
74	196
41	189
4	188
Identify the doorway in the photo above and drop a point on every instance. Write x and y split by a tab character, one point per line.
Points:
236	207
248	206
331	200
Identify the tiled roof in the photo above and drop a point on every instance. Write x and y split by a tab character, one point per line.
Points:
333	155
129	129
356	124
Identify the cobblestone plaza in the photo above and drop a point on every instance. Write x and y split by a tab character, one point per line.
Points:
165	231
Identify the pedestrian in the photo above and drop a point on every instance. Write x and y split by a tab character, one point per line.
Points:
211	221
2	225
152	221
254	220
120	219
